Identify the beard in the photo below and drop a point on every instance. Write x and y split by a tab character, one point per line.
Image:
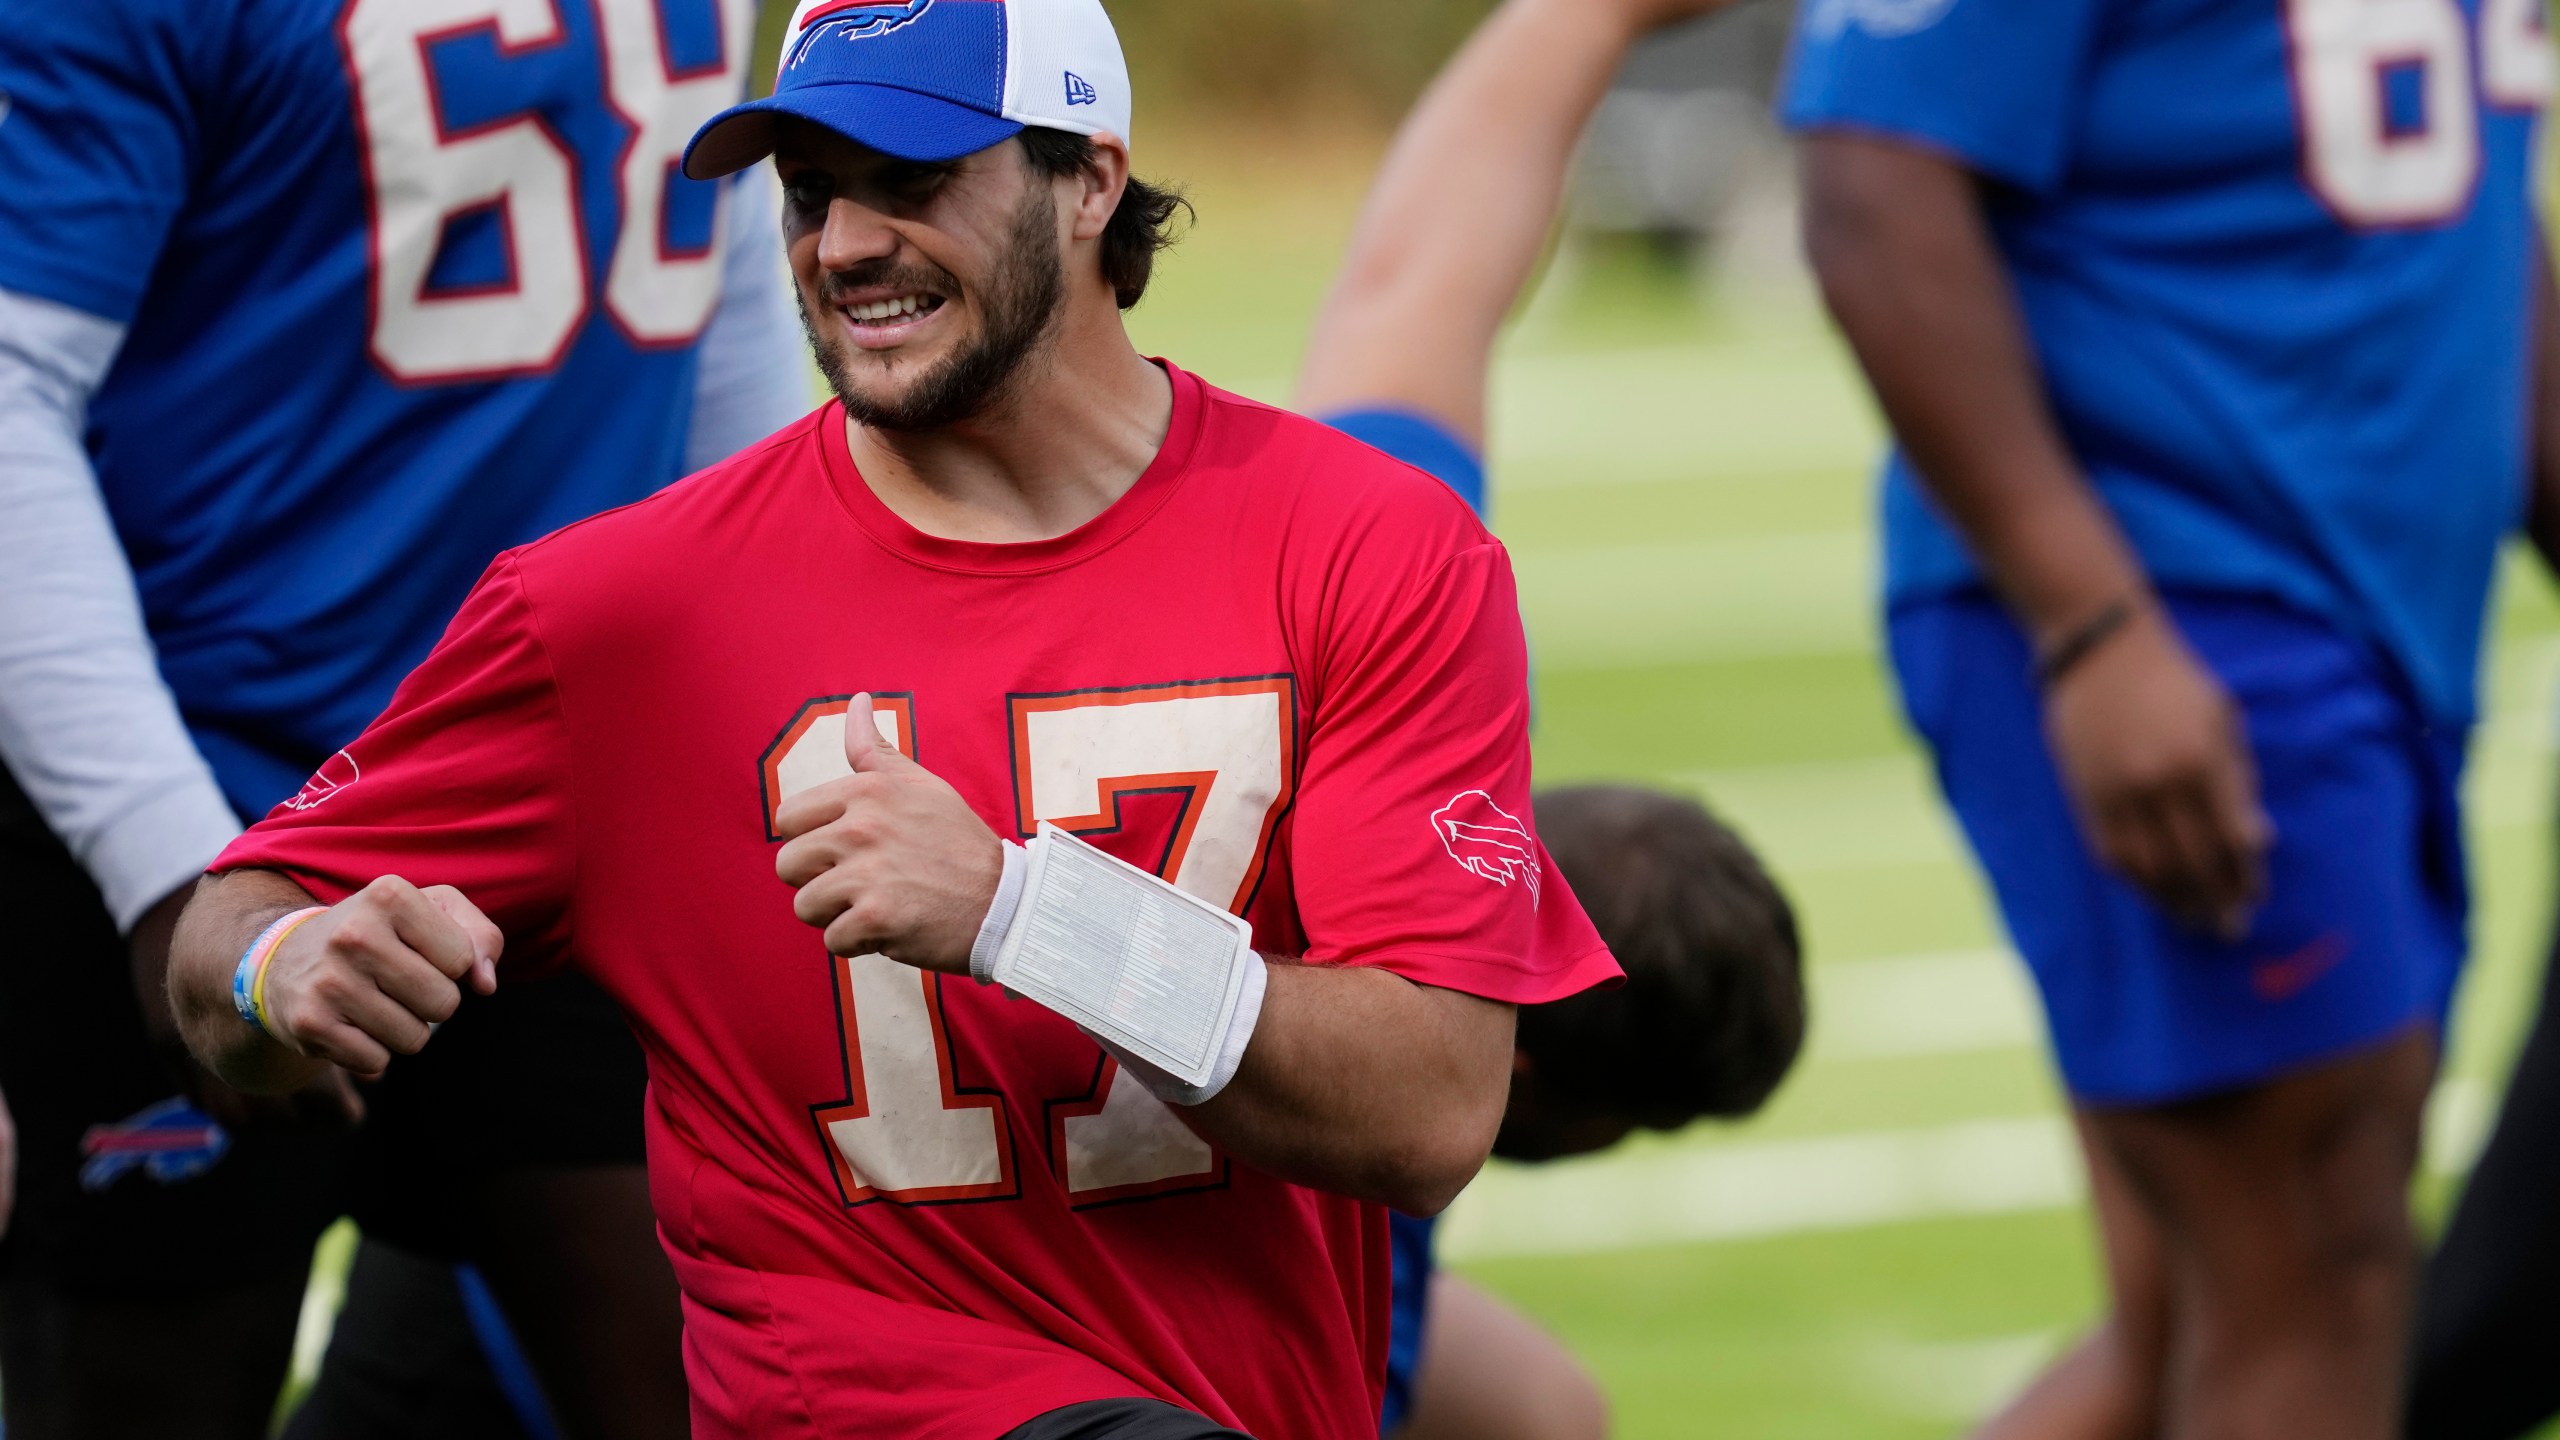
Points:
1018	305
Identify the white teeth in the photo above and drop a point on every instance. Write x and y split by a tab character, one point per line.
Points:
888	309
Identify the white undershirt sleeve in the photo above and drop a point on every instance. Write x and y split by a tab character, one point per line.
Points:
753	377
86	724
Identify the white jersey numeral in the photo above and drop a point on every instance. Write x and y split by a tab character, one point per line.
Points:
2370	167
907	1132
1226	746
2516	69
659	295
904	1131
1225	742
421	172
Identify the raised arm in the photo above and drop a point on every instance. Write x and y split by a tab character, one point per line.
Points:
2146	739
1462	207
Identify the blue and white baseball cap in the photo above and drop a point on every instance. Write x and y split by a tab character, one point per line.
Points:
930	80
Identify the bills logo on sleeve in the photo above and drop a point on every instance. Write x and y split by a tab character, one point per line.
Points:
1488	840
335	774
846	20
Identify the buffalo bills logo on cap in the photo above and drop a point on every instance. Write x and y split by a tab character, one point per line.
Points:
853	20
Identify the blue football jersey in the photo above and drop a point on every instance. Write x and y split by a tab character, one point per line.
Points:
2273	256
407	282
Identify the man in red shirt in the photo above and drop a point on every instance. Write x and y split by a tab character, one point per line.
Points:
1017	580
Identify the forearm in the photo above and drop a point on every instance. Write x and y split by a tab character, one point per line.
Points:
86	723
1908	267
226	914
1459	213
1361	1082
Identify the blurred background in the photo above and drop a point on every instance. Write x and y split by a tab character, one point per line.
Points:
1681	459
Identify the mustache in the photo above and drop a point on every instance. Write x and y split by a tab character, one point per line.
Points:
930	279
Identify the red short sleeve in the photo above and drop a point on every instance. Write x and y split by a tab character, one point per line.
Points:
1414	845
462	781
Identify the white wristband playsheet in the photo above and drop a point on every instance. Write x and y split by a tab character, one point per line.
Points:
1126	955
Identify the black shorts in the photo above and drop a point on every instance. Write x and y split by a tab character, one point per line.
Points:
544	1073
1122	1420
121	1189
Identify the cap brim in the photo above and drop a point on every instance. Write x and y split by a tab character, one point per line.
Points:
903	123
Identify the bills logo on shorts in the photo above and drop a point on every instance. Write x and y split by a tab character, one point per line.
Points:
848	20
1488	840
335	774
169	1141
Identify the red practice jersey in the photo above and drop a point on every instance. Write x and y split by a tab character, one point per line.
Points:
1284	671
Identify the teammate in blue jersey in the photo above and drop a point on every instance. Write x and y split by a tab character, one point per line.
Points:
1712	1012
307	309
2204	327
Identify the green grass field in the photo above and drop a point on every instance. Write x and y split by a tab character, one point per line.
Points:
1683	478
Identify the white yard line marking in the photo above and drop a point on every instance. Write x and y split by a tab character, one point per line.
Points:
1959	1381
1915	1005
1658	1196
1700	600
1751	1189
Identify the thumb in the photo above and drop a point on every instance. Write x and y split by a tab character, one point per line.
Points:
863	748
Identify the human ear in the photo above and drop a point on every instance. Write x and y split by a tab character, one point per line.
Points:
1099	186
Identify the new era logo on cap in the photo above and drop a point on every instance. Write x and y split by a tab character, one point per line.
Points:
930	80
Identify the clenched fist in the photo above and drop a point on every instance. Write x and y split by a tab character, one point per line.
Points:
368	979
889	860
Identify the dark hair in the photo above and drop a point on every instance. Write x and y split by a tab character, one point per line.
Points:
1140	229
1713	1011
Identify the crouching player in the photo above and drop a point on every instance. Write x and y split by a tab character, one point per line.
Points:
1017	583
1706	1026
1713	1010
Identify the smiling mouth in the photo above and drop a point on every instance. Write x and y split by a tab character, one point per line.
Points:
892	311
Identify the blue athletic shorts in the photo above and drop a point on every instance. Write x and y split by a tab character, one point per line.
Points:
2364	927
1409	1241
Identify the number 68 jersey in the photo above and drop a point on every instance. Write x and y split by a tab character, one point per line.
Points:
1283	671
405	282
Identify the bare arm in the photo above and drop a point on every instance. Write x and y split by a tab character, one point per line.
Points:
1461	209
1356	1081
2149	745
350	987
1364	1083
